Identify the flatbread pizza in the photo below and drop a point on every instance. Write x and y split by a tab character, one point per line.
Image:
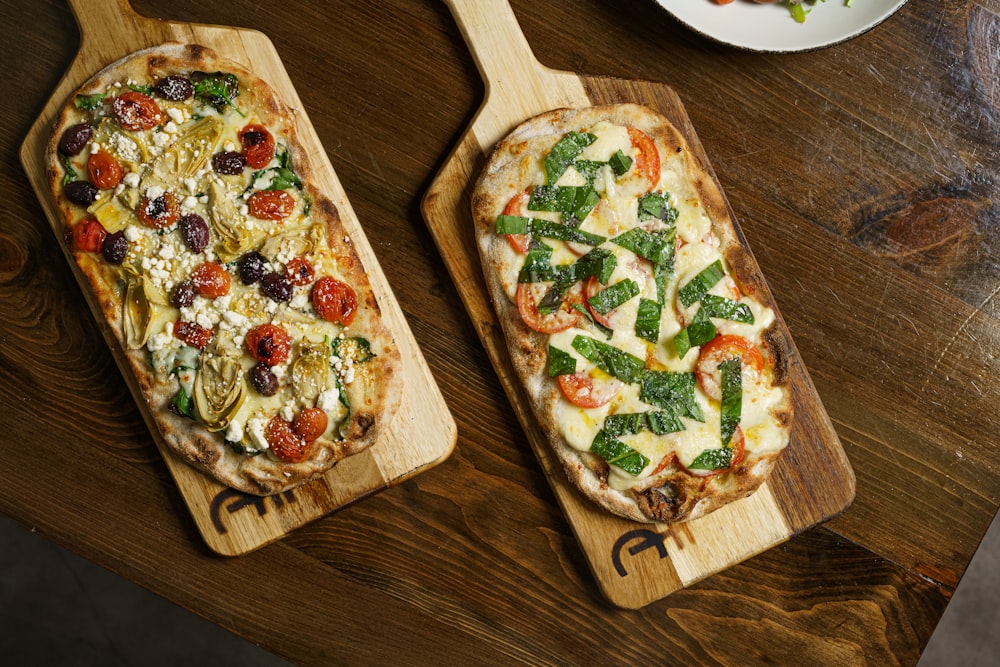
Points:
635	316
227	278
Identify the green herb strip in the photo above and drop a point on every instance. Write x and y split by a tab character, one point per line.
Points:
574	201
713	459
560	362
613	296
659	423
726	309
618	454
671	391
620	163
698	332
656	206
616	363
516	224
647	320
732	398
564	152
88	102
697	287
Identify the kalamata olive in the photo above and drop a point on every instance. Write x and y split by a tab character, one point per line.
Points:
183	294
194	231
174	88
229	162
276	287
75	138
252	267
263	380
115	247
81	192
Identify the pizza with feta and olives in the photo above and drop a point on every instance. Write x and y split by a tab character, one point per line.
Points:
637	320
228	279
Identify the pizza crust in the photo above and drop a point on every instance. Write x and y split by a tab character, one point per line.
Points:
674	495
377	388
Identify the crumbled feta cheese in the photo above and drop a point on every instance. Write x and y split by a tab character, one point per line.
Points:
256	427
131	179
177	115
235	431
132	233
327	400
154	192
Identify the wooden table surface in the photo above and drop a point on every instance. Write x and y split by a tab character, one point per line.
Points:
863	176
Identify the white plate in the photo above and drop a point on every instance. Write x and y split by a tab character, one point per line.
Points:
771	27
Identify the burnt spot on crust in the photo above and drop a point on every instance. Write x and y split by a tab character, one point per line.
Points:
775	344
362	423
196	52
660	503
328	208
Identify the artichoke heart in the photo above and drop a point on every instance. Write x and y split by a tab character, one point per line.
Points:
290	243
136	313
219	390
129	149
311	370
113	212
234	236
189	152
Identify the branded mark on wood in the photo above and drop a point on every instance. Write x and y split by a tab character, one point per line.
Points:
233	501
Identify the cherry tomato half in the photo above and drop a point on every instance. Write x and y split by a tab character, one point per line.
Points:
299	271
310	423
258	145
160	212
89	235
558	320
135	111
270	204
581	390
268	343
517	206
193	334
335	301
647	158
104	171
211	280
719	349
284	442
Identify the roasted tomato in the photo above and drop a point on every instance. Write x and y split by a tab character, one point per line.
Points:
160	212
299	271
719	349
284	442
193	334
104	171
271	204
310	423
211	280
258	145
335	301
583	391
269	344
136	112
564	317
89	235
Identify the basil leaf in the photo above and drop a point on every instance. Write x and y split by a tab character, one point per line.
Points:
560	362
671	391
537	267
682	343
563	154
88	102
732	398
70	174
657	422
357	348
613	361
647	320
553	297
620	163
281	178
217	89
575	201
515	224
656	206
713	459
618	454
183	403
726	309
657	247
599	262
145	90
698	332
613	296
698	286
588	169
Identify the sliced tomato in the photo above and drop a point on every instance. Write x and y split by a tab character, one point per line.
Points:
558	320
516	206
719	349
664	463
581	390
590	288
647	158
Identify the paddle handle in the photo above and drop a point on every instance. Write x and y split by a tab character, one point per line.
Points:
107	27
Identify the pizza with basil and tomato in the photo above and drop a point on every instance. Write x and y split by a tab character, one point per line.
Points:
241	305
635	316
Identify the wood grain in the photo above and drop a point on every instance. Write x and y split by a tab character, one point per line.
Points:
474	559
421	435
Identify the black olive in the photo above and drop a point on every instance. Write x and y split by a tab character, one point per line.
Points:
75	138
252	267
194	231
263	380
83	193
229	162
115	247
276	287
183	294
174	88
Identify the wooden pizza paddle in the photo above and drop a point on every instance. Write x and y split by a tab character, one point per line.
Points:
633	563
423	432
